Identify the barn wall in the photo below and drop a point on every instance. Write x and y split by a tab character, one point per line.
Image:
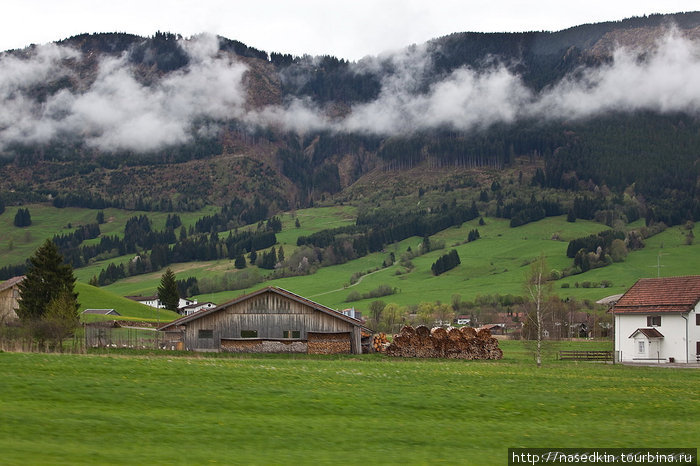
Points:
270	315
9	302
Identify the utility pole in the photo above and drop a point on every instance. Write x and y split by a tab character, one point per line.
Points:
658	264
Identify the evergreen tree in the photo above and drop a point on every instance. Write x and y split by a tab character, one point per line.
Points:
47	277
239	263
100	217
167	291
22	218
253	256
280	254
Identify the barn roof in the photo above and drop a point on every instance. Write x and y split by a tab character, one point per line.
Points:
273	289
10	282
660	295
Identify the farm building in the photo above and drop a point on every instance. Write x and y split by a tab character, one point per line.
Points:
154	301
658	320
196	307
9	298
270	320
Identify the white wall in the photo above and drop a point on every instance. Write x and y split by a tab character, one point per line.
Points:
673	345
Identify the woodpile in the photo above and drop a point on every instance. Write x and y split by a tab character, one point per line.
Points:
462	343
380	342
328	343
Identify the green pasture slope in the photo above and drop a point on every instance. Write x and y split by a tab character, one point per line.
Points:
494	264
90	297
17	244
68	409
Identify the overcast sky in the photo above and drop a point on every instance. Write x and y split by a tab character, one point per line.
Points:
349	29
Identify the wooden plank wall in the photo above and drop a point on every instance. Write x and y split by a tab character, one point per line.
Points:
271	315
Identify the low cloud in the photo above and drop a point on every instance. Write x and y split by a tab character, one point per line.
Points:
118	112
666	80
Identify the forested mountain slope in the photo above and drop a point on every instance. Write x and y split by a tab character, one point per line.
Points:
173	124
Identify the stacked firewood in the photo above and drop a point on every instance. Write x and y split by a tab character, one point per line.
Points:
328	343
462	343
380	342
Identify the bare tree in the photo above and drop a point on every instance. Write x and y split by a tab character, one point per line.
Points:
538	289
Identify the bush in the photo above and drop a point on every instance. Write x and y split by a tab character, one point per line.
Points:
565	285
381	290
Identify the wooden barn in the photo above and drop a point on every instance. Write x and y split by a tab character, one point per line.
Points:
9	298
270	320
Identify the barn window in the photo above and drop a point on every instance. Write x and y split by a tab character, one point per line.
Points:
249	334
653	321
205	334
292	334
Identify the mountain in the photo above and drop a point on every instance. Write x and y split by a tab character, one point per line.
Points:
167	123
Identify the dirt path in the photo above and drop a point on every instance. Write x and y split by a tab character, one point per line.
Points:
350	286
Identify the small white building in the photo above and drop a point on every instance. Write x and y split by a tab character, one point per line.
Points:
153	301
658	320
196	307
463	320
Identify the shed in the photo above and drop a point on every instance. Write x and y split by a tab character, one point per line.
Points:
270	320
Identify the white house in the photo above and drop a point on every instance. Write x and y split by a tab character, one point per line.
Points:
196	307
658	320
153	301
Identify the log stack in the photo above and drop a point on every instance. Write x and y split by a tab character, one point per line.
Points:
463	343
380	342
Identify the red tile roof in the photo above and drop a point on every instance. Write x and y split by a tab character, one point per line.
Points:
658	295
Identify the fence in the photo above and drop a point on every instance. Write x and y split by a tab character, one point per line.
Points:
102	336
586	356
16	338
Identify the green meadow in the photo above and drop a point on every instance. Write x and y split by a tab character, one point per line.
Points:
115	409
495	264
90	297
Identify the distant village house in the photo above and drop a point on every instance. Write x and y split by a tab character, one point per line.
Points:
153	301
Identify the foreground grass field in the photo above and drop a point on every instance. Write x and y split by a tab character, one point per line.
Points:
343	410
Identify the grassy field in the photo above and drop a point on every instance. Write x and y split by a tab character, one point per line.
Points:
91	297
495	264
112	409
16	244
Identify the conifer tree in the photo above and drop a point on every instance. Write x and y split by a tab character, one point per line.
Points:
47	277
167	291
240	263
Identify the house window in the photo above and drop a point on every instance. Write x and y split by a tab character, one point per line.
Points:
205	334
640	347
292	334
697	319
249	334
653	321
